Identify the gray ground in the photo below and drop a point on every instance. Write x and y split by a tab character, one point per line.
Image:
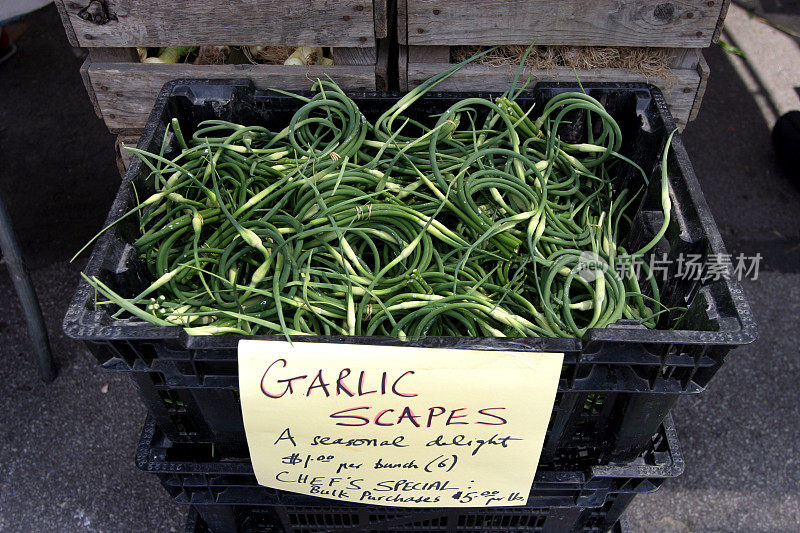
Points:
66	449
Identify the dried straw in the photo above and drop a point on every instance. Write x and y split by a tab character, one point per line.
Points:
652	63
212	55
273	55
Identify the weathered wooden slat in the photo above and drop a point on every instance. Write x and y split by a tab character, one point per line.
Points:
721	22
402	22
124	156
679	89
381	14
125	23
704	72
428	54
662	23
685	58
355	56
65	21
99	55
125	92
402	68
382	66
87	83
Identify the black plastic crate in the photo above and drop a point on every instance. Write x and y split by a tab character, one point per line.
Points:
591	426
617	384
244	519
200	474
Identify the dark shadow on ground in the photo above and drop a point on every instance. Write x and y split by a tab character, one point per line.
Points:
57	165
754	204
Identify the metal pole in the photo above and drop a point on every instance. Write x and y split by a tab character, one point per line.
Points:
27	296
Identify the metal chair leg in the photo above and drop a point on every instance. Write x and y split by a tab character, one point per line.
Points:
26	294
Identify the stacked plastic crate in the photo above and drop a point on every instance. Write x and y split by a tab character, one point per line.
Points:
610	436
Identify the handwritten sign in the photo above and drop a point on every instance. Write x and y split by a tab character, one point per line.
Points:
396	426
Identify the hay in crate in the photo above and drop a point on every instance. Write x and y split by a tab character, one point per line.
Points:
273	55
233	55
652	63
212	55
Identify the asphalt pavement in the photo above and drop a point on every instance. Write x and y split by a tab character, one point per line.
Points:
67	448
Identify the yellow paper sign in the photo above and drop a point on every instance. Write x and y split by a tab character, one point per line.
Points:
396	426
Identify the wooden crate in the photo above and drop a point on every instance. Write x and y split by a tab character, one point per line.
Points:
683	88
427	29
123	23
659	23
123	90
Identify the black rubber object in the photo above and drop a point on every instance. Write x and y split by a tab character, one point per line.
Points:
786	141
